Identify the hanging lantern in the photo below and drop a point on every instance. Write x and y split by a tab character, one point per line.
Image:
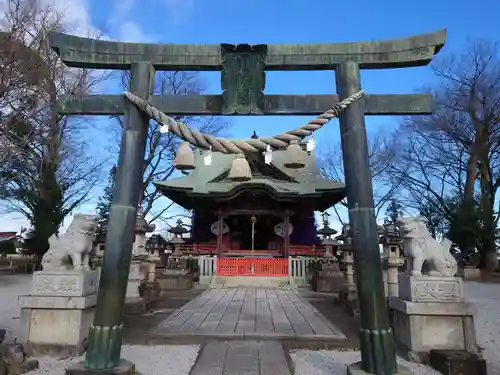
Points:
184	158
295	157
240	169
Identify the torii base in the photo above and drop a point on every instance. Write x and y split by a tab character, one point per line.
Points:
356	369
124	368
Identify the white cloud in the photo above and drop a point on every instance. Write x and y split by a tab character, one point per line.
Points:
77	21
76	16
123	28
179	10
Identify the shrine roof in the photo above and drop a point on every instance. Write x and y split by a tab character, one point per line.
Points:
276	178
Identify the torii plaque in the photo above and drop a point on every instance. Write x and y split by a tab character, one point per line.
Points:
346	59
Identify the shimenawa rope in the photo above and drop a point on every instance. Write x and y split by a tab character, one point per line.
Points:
238	146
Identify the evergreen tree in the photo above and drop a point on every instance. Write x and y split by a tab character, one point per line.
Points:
104	202
393	211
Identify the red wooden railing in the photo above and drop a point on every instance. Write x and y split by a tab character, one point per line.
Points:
252	267
206	249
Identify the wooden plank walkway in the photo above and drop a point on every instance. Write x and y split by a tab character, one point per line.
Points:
249	313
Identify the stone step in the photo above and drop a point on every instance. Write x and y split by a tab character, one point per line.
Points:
241	357
256	281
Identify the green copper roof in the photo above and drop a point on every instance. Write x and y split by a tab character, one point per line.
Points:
281	181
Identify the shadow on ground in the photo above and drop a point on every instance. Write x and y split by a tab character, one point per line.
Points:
136	327
327	304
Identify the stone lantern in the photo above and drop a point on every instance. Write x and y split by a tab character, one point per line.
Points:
176	275
139	255
141	228
177	239
328	278
349	296
392	243
329	244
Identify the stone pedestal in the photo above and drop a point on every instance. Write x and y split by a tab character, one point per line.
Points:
469	273
97	265
134	303
134	279
328	279
175	280
124	368
430	313
349	295
356	369
57	314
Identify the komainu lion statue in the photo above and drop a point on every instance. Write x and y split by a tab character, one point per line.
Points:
422	250
74	246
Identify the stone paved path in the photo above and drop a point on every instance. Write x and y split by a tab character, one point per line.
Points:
249	313
241	358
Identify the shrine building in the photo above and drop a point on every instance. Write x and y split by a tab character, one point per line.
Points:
269	199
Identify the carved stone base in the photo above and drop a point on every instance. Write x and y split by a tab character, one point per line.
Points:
175	281
136	306
55	350
420	327
329	279
457	362
150	291
65	283
124	368
56	326
355	369
430	288
56	317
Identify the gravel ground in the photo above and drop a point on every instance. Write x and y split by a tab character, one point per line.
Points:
487	321
331	362
148	360
487	297
11	287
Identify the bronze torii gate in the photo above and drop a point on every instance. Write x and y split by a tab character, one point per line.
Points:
243	82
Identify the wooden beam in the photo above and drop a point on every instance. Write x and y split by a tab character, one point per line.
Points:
417	50
293	105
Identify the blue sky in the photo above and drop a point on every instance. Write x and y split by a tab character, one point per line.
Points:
278	21
314	21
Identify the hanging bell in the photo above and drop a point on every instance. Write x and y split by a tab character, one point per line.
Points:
184	158
240	169
295	157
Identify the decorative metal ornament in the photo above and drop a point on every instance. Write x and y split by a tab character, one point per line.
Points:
279	229
214	228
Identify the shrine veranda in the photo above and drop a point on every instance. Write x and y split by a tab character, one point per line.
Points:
243	70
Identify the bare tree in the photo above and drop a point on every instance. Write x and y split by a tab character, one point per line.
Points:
380	154
447	153
161	148
54	175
